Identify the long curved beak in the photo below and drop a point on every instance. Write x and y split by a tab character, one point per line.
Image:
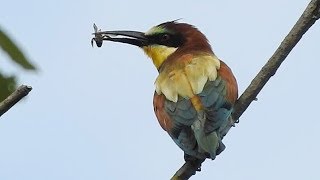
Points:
129	37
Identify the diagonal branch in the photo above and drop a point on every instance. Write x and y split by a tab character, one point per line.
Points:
307	19
15	97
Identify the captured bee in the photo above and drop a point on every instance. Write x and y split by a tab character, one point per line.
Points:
98	38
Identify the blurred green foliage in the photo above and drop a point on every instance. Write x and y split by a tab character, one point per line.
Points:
7	86
8	83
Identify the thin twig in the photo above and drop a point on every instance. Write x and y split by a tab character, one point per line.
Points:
13	98
307	19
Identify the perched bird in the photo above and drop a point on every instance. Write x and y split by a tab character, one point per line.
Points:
195	91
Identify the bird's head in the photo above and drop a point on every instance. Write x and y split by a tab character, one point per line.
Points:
163	40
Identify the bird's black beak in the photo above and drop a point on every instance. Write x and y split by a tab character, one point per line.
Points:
130	37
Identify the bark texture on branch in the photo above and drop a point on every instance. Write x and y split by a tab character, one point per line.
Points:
13	98
307	19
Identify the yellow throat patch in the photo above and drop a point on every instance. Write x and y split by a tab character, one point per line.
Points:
158	53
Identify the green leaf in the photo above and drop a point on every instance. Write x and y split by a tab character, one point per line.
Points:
14	52
7	86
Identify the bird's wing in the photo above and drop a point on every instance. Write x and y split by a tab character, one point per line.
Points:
180	118
218	98
176	119
174	116
218	94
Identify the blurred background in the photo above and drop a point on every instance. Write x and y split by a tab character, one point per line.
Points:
90	113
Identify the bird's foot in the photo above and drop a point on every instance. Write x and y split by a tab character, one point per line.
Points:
195	162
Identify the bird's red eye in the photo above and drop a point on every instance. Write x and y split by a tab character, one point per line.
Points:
165	37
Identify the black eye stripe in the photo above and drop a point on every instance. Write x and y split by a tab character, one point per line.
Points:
166	39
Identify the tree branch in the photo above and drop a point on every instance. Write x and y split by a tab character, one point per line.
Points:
13	98
307	19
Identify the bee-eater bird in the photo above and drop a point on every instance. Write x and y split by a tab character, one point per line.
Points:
195	91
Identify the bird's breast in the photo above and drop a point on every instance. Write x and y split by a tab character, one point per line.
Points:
186	75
